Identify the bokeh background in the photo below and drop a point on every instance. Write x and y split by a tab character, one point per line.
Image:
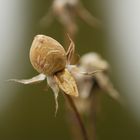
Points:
27	112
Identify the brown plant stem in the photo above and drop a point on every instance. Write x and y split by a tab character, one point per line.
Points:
92	116
78	117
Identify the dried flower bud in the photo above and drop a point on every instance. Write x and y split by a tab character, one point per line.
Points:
49	58
47	55
92	61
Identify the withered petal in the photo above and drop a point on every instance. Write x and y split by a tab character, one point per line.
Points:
66	82
53	85
33	80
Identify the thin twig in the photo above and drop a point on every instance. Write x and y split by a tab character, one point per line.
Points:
83	130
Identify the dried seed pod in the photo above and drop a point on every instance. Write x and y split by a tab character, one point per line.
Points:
47	55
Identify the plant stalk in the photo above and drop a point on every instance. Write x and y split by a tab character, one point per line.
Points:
78	117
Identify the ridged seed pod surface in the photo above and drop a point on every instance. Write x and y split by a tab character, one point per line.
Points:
47	55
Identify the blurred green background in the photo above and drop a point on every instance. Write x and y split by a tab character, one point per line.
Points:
27	112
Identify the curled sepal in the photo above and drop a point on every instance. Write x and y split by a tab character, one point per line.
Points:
70	51
91	73
53	85
66	83
76	70
33	80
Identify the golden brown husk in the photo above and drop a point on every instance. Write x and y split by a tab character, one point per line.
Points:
47	55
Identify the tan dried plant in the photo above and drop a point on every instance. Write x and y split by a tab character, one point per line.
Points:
50	59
